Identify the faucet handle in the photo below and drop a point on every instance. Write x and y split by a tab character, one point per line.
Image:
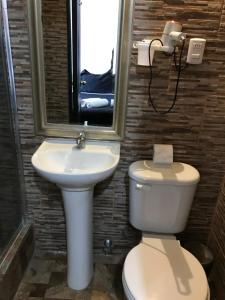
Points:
82	134
81	140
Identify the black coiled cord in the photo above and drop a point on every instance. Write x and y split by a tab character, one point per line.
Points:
178	68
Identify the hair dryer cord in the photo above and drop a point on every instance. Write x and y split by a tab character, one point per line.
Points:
178	69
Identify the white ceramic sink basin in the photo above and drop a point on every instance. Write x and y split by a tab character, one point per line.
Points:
61	162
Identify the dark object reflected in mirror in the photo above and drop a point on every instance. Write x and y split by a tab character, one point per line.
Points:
80	54
96	98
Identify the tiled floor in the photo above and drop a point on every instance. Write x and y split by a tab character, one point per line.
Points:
45	279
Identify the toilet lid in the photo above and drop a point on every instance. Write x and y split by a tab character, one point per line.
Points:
147	172
161	269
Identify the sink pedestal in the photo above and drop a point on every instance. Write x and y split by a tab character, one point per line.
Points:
76	172
78	211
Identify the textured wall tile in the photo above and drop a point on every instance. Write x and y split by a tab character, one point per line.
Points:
196	127
216	242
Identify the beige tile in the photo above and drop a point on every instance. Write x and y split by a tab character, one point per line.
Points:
100	295
39	271
103	279
24	291
61	291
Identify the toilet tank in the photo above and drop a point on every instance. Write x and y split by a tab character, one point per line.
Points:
161	196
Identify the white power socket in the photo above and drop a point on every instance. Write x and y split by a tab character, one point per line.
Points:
196	51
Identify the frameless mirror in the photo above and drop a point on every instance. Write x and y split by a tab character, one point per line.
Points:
80	59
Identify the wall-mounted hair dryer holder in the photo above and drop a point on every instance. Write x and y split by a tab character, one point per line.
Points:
171	37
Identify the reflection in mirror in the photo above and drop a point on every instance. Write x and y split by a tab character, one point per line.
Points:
98	61
55	52
80	54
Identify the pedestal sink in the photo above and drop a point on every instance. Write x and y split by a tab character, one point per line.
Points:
76	171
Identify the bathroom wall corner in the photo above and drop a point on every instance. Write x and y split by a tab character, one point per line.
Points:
15	261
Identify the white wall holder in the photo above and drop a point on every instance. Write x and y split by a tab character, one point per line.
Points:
172	36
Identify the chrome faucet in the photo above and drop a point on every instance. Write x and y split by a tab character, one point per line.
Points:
81	140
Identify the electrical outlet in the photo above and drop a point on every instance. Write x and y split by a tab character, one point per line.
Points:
196	51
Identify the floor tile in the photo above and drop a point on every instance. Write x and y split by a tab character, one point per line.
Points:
39	271
57	278
45	279
38	290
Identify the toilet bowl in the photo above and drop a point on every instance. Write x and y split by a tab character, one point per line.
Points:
160	269
160	201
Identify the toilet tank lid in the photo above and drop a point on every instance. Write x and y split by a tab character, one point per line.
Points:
146	172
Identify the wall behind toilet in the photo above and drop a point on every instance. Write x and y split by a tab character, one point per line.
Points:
216	243
196	127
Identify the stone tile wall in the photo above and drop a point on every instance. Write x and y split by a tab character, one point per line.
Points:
196	127
217	244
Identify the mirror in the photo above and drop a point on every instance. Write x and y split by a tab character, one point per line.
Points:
80	59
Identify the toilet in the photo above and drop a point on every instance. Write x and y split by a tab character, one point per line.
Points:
160	201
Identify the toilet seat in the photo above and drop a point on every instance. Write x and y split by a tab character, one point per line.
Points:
160	269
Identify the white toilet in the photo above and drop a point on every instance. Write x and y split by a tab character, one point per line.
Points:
159	268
